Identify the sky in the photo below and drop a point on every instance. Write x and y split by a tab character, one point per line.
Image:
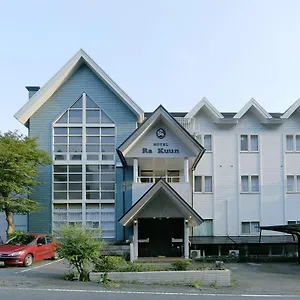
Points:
172	52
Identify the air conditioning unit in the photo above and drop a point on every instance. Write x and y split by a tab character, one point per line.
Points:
195	253
234	253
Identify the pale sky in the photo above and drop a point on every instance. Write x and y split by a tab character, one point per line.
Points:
159	52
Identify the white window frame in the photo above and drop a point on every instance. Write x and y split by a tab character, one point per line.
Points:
83	202
203	184
250	178
292	222
251	232
200	138
294	141
296	188
249	146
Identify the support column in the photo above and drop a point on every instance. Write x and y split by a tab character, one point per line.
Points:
135	170
135	239
186	238
186	170
298	238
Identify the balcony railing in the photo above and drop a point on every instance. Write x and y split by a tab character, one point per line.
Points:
152	179
187	123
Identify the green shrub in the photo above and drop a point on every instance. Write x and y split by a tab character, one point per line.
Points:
81	247
15	233
133	267
108	263
104	279
181	265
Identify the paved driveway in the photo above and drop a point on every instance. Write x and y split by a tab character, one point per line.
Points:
248	279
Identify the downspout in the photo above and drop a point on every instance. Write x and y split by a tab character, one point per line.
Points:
193	170
123	198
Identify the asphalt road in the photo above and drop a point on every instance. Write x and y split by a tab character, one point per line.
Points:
44	281
61	294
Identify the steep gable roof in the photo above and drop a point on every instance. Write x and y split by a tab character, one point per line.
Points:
253	103
291	109
158	114
39	98
161	184
204	103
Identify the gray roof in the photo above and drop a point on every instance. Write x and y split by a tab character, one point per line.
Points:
226	115
219	240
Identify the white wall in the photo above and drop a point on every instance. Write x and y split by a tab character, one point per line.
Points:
226	164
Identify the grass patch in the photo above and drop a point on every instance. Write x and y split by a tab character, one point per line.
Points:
196	284
214	285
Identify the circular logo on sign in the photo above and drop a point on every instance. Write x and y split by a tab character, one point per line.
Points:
160	133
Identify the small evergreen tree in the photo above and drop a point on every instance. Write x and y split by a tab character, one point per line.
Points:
81	247
20	160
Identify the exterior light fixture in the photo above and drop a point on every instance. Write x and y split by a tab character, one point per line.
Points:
135	222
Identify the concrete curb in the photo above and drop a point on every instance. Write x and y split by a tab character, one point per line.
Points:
205	277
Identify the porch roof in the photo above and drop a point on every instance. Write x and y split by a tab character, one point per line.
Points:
161	185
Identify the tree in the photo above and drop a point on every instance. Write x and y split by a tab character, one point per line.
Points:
81	247
20	159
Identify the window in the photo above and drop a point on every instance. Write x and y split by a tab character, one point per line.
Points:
293	222
249	184
41	241
249	142
147	176
203	184
292	143
250	227
293	183
84	167
75	139
205	140
205	229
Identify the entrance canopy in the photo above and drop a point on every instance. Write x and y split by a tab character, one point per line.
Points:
161	201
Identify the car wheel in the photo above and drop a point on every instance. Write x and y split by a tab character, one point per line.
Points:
55	255
28	260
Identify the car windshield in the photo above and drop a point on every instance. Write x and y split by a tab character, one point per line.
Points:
21	240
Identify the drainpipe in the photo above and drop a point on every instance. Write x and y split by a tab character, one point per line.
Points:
123	200
193	171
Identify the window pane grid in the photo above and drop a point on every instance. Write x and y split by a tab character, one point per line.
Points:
250	227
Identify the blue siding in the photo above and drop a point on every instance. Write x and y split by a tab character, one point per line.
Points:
83	80
123	200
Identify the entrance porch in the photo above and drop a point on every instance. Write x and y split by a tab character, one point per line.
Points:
161	221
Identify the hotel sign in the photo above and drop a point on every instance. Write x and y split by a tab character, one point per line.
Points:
160	148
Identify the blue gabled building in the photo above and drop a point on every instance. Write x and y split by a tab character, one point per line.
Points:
112	167
80	116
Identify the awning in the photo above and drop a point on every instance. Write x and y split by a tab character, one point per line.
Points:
161	200
225	240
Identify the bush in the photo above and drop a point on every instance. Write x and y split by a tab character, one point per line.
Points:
81	247
15	233
181	265
108	263
132	267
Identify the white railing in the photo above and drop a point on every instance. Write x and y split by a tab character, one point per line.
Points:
152	179
187	123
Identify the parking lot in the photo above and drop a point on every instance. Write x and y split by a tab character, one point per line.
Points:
247	278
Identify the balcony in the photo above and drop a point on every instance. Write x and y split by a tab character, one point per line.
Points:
153	179
187	123
144	183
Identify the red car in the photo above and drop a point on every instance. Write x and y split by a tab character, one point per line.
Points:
24	249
